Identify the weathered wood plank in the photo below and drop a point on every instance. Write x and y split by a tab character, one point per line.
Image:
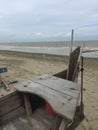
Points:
12	98
27	105
54	79
58	84
72	75
64	107
10	105
8	95
73	64
56	104
59	96
64	124
56	94
12	115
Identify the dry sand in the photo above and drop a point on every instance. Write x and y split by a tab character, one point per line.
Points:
22	66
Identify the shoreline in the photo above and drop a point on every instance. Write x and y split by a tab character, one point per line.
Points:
41	54
57	49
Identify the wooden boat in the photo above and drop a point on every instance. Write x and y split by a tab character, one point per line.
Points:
43	103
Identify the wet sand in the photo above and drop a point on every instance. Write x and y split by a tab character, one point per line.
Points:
23	66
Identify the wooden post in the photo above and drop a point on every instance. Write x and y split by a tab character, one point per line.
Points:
28	108
64	124
0	79
81	103
72	33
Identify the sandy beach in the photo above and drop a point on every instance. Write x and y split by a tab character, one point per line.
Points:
24	66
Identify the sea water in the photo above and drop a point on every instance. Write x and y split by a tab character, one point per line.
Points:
53	48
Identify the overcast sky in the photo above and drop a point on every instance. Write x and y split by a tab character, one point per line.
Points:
48	20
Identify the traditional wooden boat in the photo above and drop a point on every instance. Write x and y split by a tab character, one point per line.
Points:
43	103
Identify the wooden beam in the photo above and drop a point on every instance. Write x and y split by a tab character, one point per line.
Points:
64	124
28	108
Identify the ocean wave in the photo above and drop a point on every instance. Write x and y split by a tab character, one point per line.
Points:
48	50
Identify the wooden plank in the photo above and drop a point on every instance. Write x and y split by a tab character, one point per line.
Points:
10	105
8	95
73	64
12	115
64	108
27	105
59	95
58	84
61	82
72	75
56	105
9	99
64	124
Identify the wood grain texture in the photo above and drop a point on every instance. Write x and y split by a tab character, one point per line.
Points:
11	106
62	95
8	95
64	124
12	115
28	108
